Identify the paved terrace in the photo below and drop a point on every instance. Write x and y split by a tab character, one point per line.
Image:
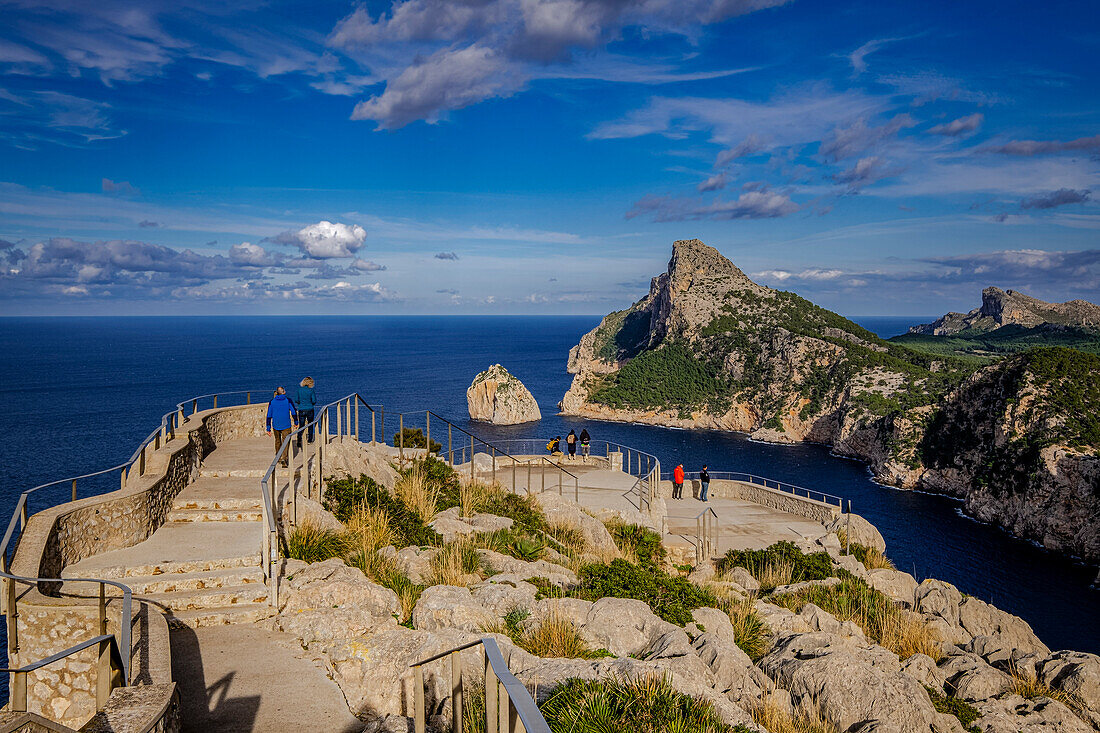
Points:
203	569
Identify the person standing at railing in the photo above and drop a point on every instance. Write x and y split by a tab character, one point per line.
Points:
586	440
307	405
281	419
678	482
554	446
704	483
571	443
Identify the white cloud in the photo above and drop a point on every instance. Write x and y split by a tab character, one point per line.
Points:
961	126
326	240
250	254
750	205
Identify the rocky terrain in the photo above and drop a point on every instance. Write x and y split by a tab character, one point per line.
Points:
1018	439
763	653
498	397
1002	308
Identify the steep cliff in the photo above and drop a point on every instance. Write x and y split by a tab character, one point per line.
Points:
498	397
1005	308
709	348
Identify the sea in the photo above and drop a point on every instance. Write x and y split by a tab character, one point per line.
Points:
79	394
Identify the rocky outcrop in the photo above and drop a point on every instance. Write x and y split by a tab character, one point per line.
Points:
709	348
498	397
1008	307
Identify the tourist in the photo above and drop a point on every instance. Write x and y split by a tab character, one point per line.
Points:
306	405
585	440
678	482
281	419
704	483
554	446
571	443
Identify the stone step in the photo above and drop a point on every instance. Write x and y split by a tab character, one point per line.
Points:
237	514
232	473
206	598
183	503
176	582
197	618
121	572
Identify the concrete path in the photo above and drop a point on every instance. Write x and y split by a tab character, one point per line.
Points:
244	678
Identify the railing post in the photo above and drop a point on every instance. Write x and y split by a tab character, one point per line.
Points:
450	445
491	690
542	473
494	454
339	421
356	401
576	490
12	617
418	701
428	437
471	459
848	529
456	693
382	422
513	475
19	692
248	398
291	487
122	478
505	709
401	437
194	406
373	433
141	461
215	402
103	675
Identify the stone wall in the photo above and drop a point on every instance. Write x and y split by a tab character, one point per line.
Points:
773	498
62	535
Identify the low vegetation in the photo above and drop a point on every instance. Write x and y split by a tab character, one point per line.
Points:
774	718
553	636
641	705
415	438
418	493
455	563
310	543
749	630
1026	684
343	497
781	564
637	543
965	712
665	378
871	557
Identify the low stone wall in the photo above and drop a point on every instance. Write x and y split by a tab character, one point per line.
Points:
59	536
772	498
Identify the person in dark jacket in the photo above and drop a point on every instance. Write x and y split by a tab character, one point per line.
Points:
586	439
571	443
281	419
704	483
554	446
306	405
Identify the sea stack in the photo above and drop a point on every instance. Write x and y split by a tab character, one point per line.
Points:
497	397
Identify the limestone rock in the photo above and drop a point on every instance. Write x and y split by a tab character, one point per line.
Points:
623	626
923	669
820	620
968	676
1009	307
979	618
351	458
451	607
859	530
332	584
1015	714
855	685
312	513
562	510
733	671
556	574
1077	674
498	397
451	525
939	601
414	562
894	584
743	578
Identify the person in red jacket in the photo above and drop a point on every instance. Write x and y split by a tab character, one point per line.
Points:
678	482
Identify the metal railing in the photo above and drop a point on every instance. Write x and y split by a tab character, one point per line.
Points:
469	445
769	483
706	535
645	466
306	462
170	423
509	707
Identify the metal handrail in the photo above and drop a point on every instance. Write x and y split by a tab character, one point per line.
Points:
768	484
169	423
509	707
107	644
706	532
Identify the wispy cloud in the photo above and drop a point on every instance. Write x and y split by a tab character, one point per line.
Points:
1054	199
960	126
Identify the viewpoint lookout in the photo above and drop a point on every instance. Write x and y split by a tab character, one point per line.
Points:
143	608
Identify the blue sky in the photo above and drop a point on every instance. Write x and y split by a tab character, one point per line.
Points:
540	156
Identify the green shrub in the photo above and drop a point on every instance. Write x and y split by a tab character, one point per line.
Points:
673	599
343	496
668	376
952	705
414	438
311	543
523	510
815	566
643	542
640	705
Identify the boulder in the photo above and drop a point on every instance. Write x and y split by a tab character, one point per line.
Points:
856	686
1077	674
715	621
896	585
733	672
966	675
830	543
859	530
939	603
573	610
743	578
556	574
310	512
564	511
498	598
781	622
451	525
923	669
795	587
413	562
623	626
332	584
819	619
389	724
1015	714
852	565
451	607
346	457
979	618
498	397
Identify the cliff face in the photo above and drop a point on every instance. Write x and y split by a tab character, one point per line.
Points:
498	397
709	348
1003	308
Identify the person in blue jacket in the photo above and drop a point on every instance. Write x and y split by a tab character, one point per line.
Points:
307	405
281	419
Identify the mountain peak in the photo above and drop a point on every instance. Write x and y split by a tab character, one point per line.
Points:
1011	307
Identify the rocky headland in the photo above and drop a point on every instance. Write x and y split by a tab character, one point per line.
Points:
1008	307
1018	439
795	637
496	396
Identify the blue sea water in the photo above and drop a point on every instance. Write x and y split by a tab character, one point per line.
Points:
80	393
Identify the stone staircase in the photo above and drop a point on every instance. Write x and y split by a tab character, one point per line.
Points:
203	566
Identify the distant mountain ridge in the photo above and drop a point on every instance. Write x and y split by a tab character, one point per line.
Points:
1008	307
1017	438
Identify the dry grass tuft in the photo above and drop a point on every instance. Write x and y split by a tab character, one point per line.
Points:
749	630
456	563
418	493
806	719
871	558
310	542
554	636
473	496
907	634
1026	684
773	574
370	529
